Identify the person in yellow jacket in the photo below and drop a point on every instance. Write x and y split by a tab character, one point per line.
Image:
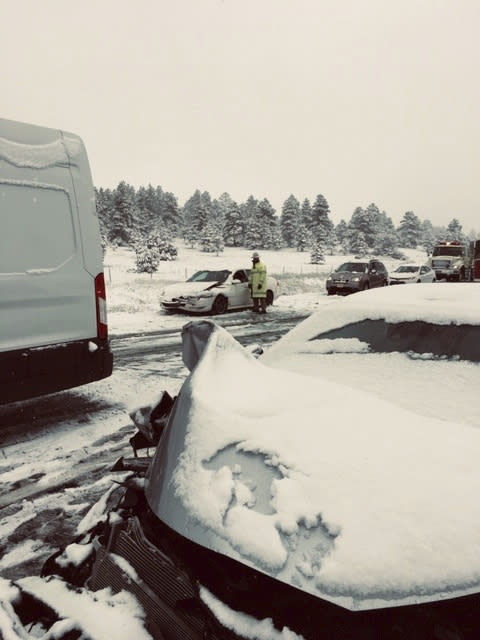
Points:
258	284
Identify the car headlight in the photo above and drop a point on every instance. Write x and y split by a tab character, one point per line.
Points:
356	279
206	294
329	279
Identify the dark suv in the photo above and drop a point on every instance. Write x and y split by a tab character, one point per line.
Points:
357	276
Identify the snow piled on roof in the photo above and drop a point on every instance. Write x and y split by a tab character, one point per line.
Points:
40	156
435	303
372	502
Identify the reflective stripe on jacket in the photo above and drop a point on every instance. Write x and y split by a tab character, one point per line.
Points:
258	275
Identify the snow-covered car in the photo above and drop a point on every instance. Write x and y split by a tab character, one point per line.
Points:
412	273
214	292
334	497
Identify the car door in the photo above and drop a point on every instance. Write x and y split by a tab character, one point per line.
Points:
424	274
240	293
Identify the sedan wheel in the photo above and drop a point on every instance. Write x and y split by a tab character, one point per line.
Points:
220	305
269	298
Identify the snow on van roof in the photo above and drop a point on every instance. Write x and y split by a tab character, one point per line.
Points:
40	156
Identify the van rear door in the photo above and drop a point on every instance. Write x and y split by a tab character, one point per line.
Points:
47	295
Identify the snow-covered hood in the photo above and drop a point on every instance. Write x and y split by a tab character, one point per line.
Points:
293	487
185	289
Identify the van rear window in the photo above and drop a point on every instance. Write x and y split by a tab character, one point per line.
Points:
36	228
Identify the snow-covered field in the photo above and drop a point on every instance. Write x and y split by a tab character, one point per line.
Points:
133	301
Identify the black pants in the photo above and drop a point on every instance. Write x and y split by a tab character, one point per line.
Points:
260	304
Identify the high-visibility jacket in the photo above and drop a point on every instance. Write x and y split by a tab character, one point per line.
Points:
258	276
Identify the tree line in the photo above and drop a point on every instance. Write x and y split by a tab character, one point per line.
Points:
149	220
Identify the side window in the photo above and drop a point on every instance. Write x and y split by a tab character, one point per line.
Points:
36	228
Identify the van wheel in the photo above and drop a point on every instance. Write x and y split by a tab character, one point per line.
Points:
220	305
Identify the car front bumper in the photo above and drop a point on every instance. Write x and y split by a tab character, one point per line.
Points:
198	306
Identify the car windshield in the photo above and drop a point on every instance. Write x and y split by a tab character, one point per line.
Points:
448	251
356	267
406	268
209	276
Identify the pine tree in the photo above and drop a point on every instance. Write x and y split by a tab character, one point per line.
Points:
170	213
321	226
105	211
427	236
361	222
153	248
253	224
341	232
357	244
374	220
317	255
147	258
386	244
234	226
454	231
306	211
290	219
211	238
125	214
303	236
409	230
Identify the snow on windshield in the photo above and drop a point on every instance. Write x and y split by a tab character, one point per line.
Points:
349	521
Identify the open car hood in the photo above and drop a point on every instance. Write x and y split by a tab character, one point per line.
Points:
250	464
186	289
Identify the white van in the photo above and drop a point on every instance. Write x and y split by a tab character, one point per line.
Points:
53	324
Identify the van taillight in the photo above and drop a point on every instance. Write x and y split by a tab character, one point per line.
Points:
101	302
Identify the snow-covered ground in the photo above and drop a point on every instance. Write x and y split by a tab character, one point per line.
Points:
134	307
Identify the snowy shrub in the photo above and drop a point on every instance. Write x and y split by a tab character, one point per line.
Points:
317	255
152	249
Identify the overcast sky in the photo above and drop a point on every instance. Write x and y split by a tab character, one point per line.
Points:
359	100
